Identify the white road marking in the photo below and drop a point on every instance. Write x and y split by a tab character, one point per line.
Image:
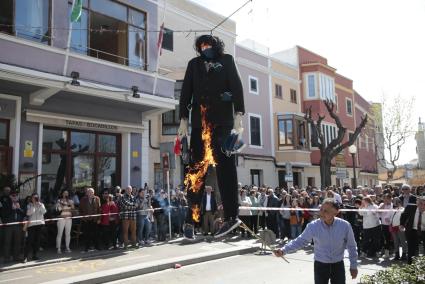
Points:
17	278
134	257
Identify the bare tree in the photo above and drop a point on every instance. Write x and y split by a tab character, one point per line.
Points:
394	121
329	151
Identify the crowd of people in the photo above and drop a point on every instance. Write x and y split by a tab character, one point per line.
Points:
133	218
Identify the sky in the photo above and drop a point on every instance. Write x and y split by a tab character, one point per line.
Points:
379	44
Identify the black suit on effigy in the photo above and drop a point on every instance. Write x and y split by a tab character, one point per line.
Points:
202	87
412	236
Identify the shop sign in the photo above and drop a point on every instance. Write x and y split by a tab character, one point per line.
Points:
94	125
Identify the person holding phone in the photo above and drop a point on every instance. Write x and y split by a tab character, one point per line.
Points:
35	213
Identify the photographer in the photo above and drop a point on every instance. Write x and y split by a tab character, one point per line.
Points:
35	213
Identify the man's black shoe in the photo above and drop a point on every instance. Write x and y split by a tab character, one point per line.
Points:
188	232
227	227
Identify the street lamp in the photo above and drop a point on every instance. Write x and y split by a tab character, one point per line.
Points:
353	150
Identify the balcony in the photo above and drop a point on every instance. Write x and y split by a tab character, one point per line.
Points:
292	143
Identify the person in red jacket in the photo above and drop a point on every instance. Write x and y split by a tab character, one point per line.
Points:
109	221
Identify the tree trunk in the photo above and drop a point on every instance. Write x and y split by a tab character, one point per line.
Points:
325	171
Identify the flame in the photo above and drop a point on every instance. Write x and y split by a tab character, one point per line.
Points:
196	213
195	177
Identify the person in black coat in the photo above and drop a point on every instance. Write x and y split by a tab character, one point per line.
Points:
406	197
212	84
11	212
413	221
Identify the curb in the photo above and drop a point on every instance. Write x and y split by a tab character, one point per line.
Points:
155	266
58	260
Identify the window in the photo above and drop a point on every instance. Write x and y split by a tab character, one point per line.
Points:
278	91
255	130
292	131
285	132
293	96
327	87
167	40
96	33
29	17
256	177
170	122
349	105
76	159
253	85
329	133
311	86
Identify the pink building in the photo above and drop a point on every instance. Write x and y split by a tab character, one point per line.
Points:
319	82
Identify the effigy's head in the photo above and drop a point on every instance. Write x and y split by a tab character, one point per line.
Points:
211	43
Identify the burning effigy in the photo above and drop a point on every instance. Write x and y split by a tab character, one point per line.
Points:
212	95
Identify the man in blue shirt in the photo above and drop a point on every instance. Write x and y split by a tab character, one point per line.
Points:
331	236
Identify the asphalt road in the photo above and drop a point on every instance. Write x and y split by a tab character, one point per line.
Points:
246	269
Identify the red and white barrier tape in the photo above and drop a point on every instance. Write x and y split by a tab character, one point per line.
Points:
240	207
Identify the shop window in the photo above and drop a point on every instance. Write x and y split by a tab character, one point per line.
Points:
88	159
107	172
82	142
107	143
82	171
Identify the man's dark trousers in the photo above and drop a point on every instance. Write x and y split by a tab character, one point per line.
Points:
323	272
226	171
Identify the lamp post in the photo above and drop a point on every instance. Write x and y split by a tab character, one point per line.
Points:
353	150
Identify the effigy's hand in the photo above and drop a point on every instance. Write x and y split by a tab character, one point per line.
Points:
183	128
237	123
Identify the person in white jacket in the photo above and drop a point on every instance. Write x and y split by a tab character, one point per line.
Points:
386	222
35	213
398	235
371	227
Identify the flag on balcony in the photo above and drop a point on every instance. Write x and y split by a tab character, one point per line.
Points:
77	7
160	38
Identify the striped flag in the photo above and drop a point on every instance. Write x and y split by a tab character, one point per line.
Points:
160	38
77	7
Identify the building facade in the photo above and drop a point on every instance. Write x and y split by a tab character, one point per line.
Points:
320	82
183	22
255	165
77	116
290	132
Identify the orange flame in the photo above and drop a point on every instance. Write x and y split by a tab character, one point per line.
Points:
196	213
195	177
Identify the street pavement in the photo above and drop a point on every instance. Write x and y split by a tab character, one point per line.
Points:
204	261
98	268
247	269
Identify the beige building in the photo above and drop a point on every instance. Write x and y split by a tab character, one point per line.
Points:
178	49
290	132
